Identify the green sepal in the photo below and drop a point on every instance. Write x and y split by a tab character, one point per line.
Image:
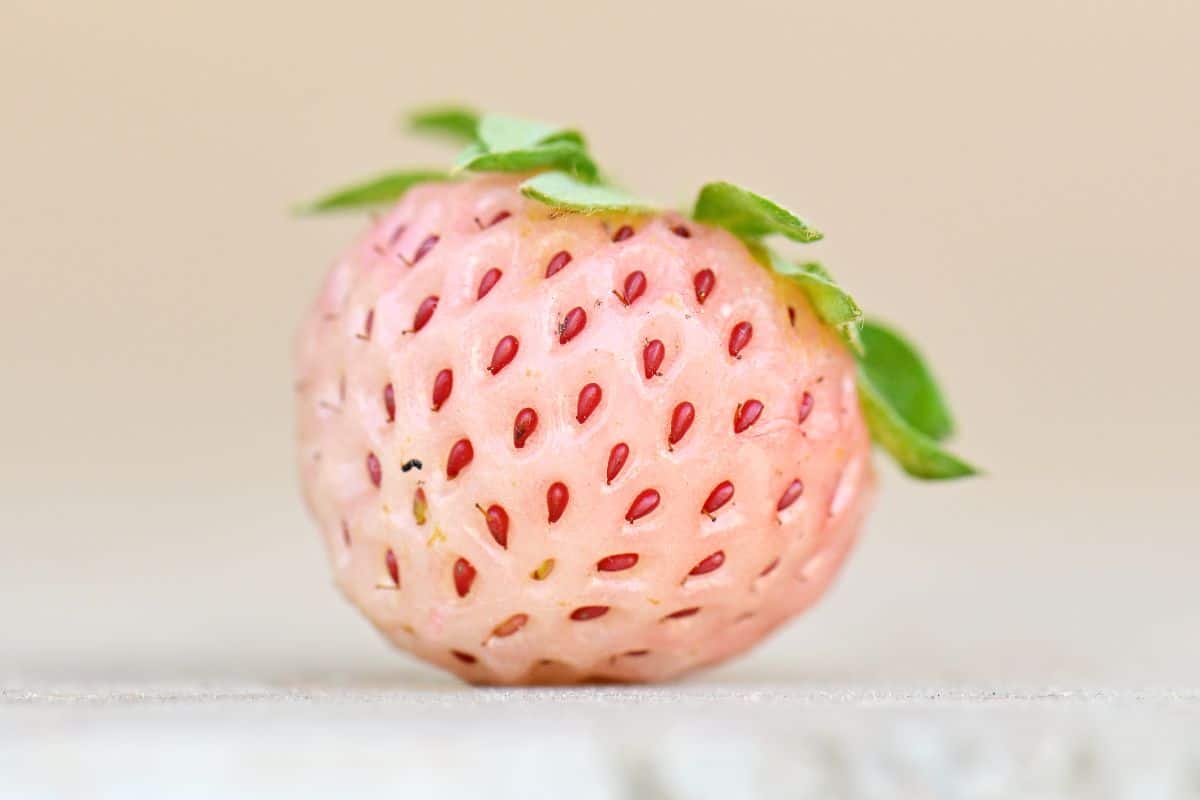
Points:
560	190
749	215
372	192
833	305
456	123
559	155
917	454
901	376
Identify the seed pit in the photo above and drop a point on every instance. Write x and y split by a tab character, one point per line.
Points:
747	414
681	420
466	658
652	358
585	613
423	249
682	231
420	506
505	352
523	426
767	570
460	456
510	626
792	316
682	613
646	501
572	324
489	280
616	460
589	399
368	324
806	407
703	282
709	564
374	471
464	576
424	313
790	495
635	287
635	653
739	337
557	262
443	384
623	233
721	494
617	563
557	497
345	533
389	402
500	217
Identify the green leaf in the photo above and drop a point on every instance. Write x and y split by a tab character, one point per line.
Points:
455	123
560	190
899	373
560	154
377	191
833	305
749	215
919	455
499	133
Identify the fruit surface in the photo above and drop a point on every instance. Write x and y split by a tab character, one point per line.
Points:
550	447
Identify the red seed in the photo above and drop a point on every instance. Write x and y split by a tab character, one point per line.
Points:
792	316
497	523
623	233
584	613
374	471
769	568
616	460
505	352
489	279
368	324
500	217
739	337
524	426
683	612
460	455
345	533
510	625
635	287
617	563
709	564
572	324
681	419
464	576
442	386
560	260
589	398
389	402
424	248
424	312
652	358
556	500
806	407
642	505
790	495
466	658
636	653
721	494
704	281
746	415
393	567
680	230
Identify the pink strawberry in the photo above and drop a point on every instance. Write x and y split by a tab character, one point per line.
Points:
560	447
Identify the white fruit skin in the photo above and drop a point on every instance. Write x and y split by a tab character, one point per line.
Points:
830	451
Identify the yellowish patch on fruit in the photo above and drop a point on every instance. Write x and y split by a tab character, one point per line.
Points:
543	570
436	537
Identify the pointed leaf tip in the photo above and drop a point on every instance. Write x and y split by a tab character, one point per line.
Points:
749	215
456	123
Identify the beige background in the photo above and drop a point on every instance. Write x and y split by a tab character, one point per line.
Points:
1017	183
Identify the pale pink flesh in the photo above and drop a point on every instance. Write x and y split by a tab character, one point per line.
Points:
636	639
